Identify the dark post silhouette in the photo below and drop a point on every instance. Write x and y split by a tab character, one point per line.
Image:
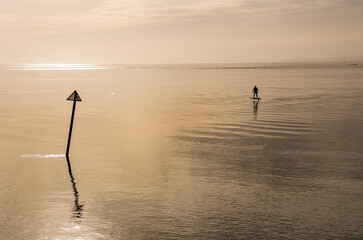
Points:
75	98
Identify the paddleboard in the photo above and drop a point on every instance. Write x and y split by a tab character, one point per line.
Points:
258	99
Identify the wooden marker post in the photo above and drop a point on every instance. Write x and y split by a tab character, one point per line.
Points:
75	98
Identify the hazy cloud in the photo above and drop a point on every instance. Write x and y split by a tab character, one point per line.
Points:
206	25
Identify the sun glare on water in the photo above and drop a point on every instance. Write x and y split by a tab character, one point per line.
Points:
59	66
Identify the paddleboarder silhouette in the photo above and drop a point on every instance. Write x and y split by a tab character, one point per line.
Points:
255	92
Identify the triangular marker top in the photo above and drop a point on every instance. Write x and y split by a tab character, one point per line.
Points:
74	95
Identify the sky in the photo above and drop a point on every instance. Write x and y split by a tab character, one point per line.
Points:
178	31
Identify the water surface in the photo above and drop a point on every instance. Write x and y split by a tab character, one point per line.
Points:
181	152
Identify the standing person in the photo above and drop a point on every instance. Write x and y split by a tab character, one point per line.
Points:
255	92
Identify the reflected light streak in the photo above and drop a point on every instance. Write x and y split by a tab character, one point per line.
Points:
46	67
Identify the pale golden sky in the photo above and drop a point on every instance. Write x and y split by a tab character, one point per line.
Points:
178	31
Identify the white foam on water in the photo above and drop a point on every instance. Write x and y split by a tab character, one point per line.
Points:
43	156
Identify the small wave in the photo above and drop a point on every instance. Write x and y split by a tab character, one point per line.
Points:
43	156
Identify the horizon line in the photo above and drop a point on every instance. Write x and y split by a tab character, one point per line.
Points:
306	60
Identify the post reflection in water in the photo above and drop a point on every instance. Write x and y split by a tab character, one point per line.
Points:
78	208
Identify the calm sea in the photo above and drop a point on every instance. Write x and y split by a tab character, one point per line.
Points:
181	152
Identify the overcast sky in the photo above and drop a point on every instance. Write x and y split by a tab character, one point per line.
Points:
178	31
